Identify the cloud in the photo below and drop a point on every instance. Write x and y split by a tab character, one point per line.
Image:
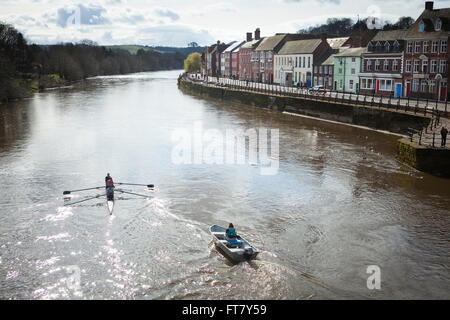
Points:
175	35
321	1
81	15
165	13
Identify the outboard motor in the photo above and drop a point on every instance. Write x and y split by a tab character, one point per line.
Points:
248	252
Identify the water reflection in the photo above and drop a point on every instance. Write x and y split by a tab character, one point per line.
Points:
340	202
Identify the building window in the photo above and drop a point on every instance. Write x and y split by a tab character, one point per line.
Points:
433	66
315	69
432	87
330	83
434	46
395	65
423	86
416	65
409	47
320	81
438	24
315	81
303	62
366	83
309	62
421	26
415	86
320	69
387	46
353	59
386	85
386	65
443	46
417	47
424	66
442	66
340	83
369	65
330	70
377	65
350	84
340	71
408	65
425	47
353	71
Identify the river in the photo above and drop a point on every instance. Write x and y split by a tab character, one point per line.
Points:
338	203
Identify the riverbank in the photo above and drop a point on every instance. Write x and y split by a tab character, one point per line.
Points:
373	117
431	160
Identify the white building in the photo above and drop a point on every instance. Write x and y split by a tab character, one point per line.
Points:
294	62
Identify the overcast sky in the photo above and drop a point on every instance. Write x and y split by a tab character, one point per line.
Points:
176	22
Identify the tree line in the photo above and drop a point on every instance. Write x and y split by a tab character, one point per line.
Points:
24	67
345	26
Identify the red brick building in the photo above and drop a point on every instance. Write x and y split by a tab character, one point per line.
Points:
323	71
247	58
426	55
382	66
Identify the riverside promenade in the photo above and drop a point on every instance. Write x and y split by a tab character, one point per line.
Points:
418	121
410	105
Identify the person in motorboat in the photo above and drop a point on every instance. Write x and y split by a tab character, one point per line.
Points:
232	236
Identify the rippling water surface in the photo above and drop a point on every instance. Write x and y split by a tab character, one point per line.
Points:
339	203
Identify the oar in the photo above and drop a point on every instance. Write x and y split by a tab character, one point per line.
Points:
68	192
136	194
69	204
137	184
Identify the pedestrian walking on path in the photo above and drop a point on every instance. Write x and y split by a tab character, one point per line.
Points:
444	133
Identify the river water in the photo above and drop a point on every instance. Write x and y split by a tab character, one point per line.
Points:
339	203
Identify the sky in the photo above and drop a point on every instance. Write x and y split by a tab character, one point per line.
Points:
177	23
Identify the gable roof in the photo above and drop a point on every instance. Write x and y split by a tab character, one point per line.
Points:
269	43
300	46
429	17
251	44
352	52
234	46
336	43
390	35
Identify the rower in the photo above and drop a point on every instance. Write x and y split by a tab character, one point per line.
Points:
108	180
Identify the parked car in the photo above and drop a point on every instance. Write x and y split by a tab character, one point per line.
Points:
316	88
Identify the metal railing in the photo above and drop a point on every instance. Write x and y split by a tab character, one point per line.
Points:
425	107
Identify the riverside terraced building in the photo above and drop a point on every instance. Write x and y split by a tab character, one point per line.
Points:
398	63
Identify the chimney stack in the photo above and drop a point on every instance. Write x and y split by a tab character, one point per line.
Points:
249	36
363	35
428	5
323	35
257	34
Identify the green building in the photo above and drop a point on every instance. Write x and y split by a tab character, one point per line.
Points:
347	65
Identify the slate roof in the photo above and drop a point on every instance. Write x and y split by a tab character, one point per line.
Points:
429	17
269	43
336	43
352	52
234	46
300	46
390	35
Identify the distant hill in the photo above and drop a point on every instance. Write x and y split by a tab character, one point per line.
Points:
134	48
